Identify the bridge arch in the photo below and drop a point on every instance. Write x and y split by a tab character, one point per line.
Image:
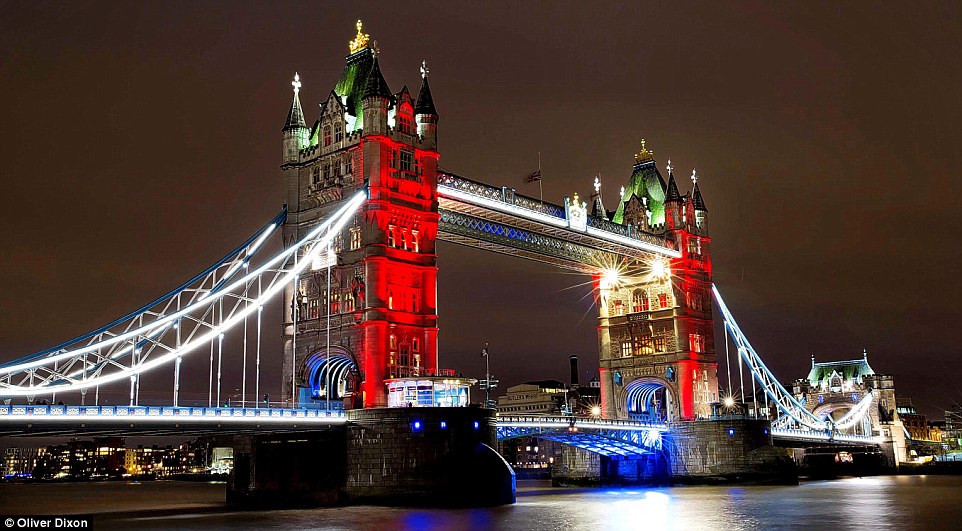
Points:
834	411
338	366
650	399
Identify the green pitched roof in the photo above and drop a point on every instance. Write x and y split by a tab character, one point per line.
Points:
848	370
645	182
351	84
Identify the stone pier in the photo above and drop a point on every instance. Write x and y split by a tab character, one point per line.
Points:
434	457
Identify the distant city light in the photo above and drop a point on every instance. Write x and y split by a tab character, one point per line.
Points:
729	401
417	425
596	411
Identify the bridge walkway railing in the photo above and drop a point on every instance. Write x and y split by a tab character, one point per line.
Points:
66	412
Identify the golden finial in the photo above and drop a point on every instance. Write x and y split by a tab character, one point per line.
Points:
645	154
360	40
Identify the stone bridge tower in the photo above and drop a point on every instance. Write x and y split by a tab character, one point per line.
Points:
656	339
381	299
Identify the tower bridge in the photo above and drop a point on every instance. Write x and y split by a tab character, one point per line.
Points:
365	203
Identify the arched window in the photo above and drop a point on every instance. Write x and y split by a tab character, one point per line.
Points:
338	133
391	236
335	302
415	241
327	135
639	301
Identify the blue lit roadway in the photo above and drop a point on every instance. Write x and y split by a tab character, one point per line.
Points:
607	437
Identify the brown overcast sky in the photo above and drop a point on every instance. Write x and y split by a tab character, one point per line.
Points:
141	141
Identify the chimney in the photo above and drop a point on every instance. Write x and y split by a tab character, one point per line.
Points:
574	370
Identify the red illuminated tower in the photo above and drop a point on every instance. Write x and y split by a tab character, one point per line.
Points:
382	303
656	342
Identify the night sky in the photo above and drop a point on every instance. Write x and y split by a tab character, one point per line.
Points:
142	141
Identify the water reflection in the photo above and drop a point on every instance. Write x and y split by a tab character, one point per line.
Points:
904	502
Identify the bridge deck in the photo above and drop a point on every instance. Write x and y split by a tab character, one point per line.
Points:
55	421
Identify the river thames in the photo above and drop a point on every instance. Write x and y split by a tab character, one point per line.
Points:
884	502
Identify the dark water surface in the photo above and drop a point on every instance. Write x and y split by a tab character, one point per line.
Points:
890	502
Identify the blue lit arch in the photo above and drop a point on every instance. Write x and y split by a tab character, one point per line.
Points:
649	399
338	366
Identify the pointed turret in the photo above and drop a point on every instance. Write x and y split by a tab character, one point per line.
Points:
696	198
425	112
597	206
672	195
295	118
425	104
673	202
698	204
375	85
295	129
375	101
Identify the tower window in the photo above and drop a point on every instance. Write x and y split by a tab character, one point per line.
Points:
407	161
660	344
639	301
643	345
696	342
327	135
335	303
355	238
338	133
662	300
391	236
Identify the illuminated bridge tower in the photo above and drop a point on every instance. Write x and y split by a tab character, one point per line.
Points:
655	329
378	298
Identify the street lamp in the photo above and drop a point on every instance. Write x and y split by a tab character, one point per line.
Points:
488	384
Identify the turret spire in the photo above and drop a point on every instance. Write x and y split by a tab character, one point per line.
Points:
597	206
696	198
375	85
671	194
425	103
295	117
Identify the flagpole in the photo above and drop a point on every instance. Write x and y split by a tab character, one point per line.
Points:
540	189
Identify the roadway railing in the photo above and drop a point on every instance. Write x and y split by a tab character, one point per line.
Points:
41	413
504	199
811	435
560	421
